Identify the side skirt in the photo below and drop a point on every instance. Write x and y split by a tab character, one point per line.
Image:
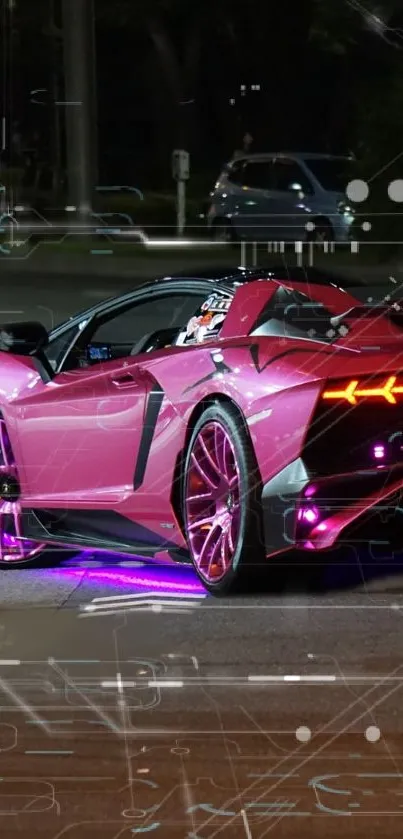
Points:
98	529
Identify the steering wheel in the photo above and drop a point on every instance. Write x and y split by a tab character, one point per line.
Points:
155	341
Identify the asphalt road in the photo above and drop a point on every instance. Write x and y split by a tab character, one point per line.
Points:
53	299
133	703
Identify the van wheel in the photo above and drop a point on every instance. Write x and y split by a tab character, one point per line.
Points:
322	232
223	231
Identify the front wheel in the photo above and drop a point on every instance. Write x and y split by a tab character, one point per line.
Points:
15	551
221	502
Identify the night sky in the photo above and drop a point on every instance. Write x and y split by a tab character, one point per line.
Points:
170	73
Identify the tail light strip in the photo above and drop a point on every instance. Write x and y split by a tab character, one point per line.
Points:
352	391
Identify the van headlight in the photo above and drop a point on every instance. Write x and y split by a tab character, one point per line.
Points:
345	210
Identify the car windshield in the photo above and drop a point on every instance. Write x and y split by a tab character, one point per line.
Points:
333	174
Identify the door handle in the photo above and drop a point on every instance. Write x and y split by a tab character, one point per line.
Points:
123	380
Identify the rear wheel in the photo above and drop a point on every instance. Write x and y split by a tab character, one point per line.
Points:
223	231
221	502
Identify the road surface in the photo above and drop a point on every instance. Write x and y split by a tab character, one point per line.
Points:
51	297
132	703
54	299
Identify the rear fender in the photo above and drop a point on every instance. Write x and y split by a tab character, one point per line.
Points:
278	425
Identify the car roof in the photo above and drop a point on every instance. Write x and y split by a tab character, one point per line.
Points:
280	272
227	278
215	274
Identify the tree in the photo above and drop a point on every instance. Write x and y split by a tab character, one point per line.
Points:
201	53
367	43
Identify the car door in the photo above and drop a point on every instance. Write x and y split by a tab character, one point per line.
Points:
253	212
80	434
290	200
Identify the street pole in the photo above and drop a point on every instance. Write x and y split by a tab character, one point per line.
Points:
181	207
180	171
80	103
57	130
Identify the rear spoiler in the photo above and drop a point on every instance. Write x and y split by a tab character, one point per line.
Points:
393	311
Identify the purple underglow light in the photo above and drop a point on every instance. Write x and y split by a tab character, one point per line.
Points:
309	515
379	451
310	491
10	541
149	580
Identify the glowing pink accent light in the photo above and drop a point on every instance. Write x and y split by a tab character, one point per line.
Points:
309	515
148	581
310	491
379	451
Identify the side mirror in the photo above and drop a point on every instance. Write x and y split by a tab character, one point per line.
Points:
295	187
26	338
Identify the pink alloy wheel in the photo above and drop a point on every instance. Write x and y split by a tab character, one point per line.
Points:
13	548
212	502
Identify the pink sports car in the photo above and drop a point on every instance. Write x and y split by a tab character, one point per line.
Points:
218	420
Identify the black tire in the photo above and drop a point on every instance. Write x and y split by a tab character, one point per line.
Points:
322	232
44	558
223	231
9	229
47	556
248	557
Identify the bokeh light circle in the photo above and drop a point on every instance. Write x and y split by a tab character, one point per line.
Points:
303	734
395	191
357	191
372	734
